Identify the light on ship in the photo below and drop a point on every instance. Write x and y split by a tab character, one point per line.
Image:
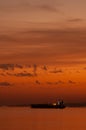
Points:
54	104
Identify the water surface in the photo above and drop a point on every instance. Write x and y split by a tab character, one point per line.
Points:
25	118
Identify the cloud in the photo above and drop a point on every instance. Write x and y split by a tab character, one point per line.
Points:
50	83
55	83
20	74
56	71
2	74
29	5
37	82
48	7
46	46
35	69
71	82
75	20
25	74
59	82
84	68
6	37
9	74
5	84
18	66
10	66
7	66
77	71
45	68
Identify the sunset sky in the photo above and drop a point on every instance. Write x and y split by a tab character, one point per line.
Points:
42	51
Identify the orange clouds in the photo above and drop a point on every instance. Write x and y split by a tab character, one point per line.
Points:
34	83
62	77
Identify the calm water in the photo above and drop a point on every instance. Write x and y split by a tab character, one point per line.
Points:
42	119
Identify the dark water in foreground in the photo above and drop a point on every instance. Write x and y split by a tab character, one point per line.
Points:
24	118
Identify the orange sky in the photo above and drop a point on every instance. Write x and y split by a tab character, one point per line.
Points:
21	84
42	51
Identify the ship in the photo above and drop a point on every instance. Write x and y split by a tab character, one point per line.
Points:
57	105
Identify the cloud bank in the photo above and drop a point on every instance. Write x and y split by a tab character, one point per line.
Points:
5	84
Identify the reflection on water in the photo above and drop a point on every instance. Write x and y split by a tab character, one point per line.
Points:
16	118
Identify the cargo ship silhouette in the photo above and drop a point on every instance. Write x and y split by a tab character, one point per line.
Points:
58	105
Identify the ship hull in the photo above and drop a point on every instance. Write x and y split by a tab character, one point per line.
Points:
47	106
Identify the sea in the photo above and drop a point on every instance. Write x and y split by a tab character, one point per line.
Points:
25	118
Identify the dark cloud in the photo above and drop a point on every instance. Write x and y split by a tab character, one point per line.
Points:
9	74
75	20
60	82
55	83
50	83
18	66
56	71
25	74
45	68
21	74
10	66
35	69
28	66
71	82
2	74
5	84
7	66
37	82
